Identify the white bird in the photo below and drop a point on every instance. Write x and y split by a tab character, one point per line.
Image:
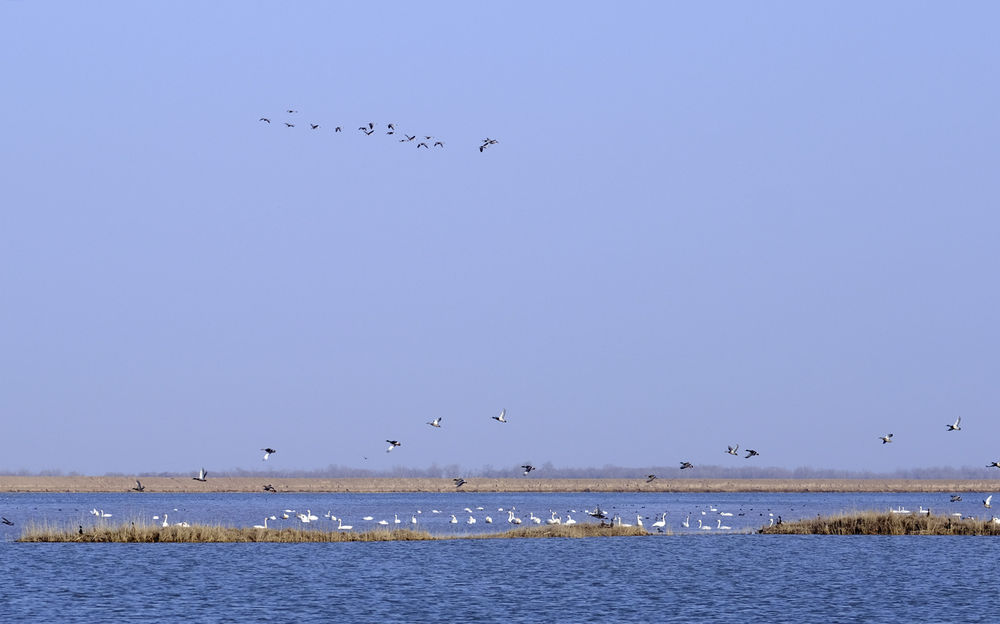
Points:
488	520
471	520
687	522
618	522
511	519
923	511
343	527
725	513
396	519
413	519
94	512
453	520
553	519
105	515
569	520
261	526
662	522
886	438
436	422
955	427
721	526
986	503
638	520
369	518
703	527
202	475
164	524
534	518
501	417
384	522
312	517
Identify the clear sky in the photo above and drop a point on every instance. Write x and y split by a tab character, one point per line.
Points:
769	223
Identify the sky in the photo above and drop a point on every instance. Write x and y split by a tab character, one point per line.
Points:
770	224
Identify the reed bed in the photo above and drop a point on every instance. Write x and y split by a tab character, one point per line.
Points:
208	534
883	523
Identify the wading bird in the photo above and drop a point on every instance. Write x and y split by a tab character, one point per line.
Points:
202	475
955	426
501	417
886	438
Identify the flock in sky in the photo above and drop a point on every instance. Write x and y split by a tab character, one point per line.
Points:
369	128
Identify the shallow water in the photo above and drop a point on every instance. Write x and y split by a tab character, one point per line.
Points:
681	578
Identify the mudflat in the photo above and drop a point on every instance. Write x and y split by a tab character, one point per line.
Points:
474	484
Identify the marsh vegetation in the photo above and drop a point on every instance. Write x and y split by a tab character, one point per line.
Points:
885	523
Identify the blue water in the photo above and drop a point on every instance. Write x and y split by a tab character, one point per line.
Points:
694	576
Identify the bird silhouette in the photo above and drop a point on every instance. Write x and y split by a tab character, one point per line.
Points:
139	487
289	125
685	464
264	119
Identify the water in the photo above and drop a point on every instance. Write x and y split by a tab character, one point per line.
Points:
699	576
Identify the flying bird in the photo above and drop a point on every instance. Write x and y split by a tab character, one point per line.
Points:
527	468
290	125
685	464
955	498
267	452
264	119
313	126
955	426
438	143
391	127
501	417
436	422
6	521
392	444
139	487
369	132
459	482
650	479
337	129
269	488
732	449
202	475
422	144
886	439
408	137
291	111
986	503
751	453
995	464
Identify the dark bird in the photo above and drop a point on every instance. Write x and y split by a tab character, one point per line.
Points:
391	127
955	498
408	137
501	417
392	444
264	119
732	449
436	422
482	147
995	464
597	513
6	521
337	129
390	132
289	125
751	453
369	132
685	464
955	426
313	126
650	478
79	529
362	128
886	439
527	468
291	111
269	488
438	143
267	452
139	487
428	137
422	144
459	482
202	475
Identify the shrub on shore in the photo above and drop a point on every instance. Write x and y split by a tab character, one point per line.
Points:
883	523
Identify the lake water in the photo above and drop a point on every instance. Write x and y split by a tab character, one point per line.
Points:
690	576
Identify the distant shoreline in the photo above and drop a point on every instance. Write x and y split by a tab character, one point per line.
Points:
84	484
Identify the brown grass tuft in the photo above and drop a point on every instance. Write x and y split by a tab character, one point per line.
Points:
882	523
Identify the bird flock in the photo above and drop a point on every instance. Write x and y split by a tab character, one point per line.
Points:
369	128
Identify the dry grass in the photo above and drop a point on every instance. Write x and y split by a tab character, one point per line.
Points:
883	523
136	533
478	484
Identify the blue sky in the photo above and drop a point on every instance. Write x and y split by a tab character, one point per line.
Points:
771	224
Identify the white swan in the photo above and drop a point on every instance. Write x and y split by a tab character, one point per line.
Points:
261	526
312	517
488	520
553	519
704	527
369	518
396	519
511	519
721	526
662	522
725	513
413	519
164	521
384	522
687	522
471	520
534	518
105	515
638	520
569	520
343	527
453	520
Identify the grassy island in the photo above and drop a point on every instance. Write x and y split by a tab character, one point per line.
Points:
133	533
885	523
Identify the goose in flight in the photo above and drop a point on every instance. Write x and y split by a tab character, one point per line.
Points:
139	487
369	132
408	137
886	438
269	488
393	444
289	125
502	417
459	482
422	144
337	129
438	143
202	475
527	468
267	452
685	464
986	503
6	521
391	127
751	453
732	449
314	126
995	464
264	119
436	422
650	478
955	426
